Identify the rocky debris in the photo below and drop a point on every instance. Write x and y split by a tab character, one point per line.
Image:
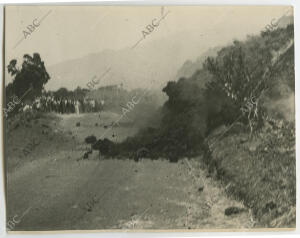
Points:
78	124
90	139
90	204
104	146
234	210
200	189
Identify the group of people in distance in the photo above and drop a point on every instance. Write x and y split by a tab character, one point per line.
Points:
66	105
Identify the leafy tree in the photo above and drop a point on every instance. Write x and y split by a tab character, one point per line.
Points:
80	93
30	78
62	93
239	70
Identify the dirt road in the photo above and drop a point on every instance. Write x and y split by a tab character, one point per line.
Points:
59	192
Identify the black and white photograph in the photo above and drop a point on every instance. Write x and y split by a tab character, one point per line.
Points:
149	118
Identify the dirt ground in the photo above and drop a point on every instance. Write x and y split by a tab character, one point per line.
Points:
53	188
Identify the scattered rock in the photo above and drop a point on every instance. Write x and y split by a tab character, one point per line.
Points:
90	139
78	124
104	146
96	124
200	189
234	210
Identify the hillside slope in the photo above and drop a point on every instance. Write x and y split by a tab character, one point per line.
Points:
252	150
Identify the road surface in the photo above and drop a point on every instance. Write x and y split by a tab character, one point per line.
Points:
60	191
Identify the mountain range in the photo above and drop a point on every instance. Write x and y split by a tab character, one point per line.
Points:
149	65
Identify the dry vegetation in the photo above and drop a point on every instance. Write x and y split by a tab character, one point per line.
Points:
255	158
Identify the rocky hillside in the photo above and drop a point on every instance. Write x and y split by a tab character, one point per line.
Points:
227	112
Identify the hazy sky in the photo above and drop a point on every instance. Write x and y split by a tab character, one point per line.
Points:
70	32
